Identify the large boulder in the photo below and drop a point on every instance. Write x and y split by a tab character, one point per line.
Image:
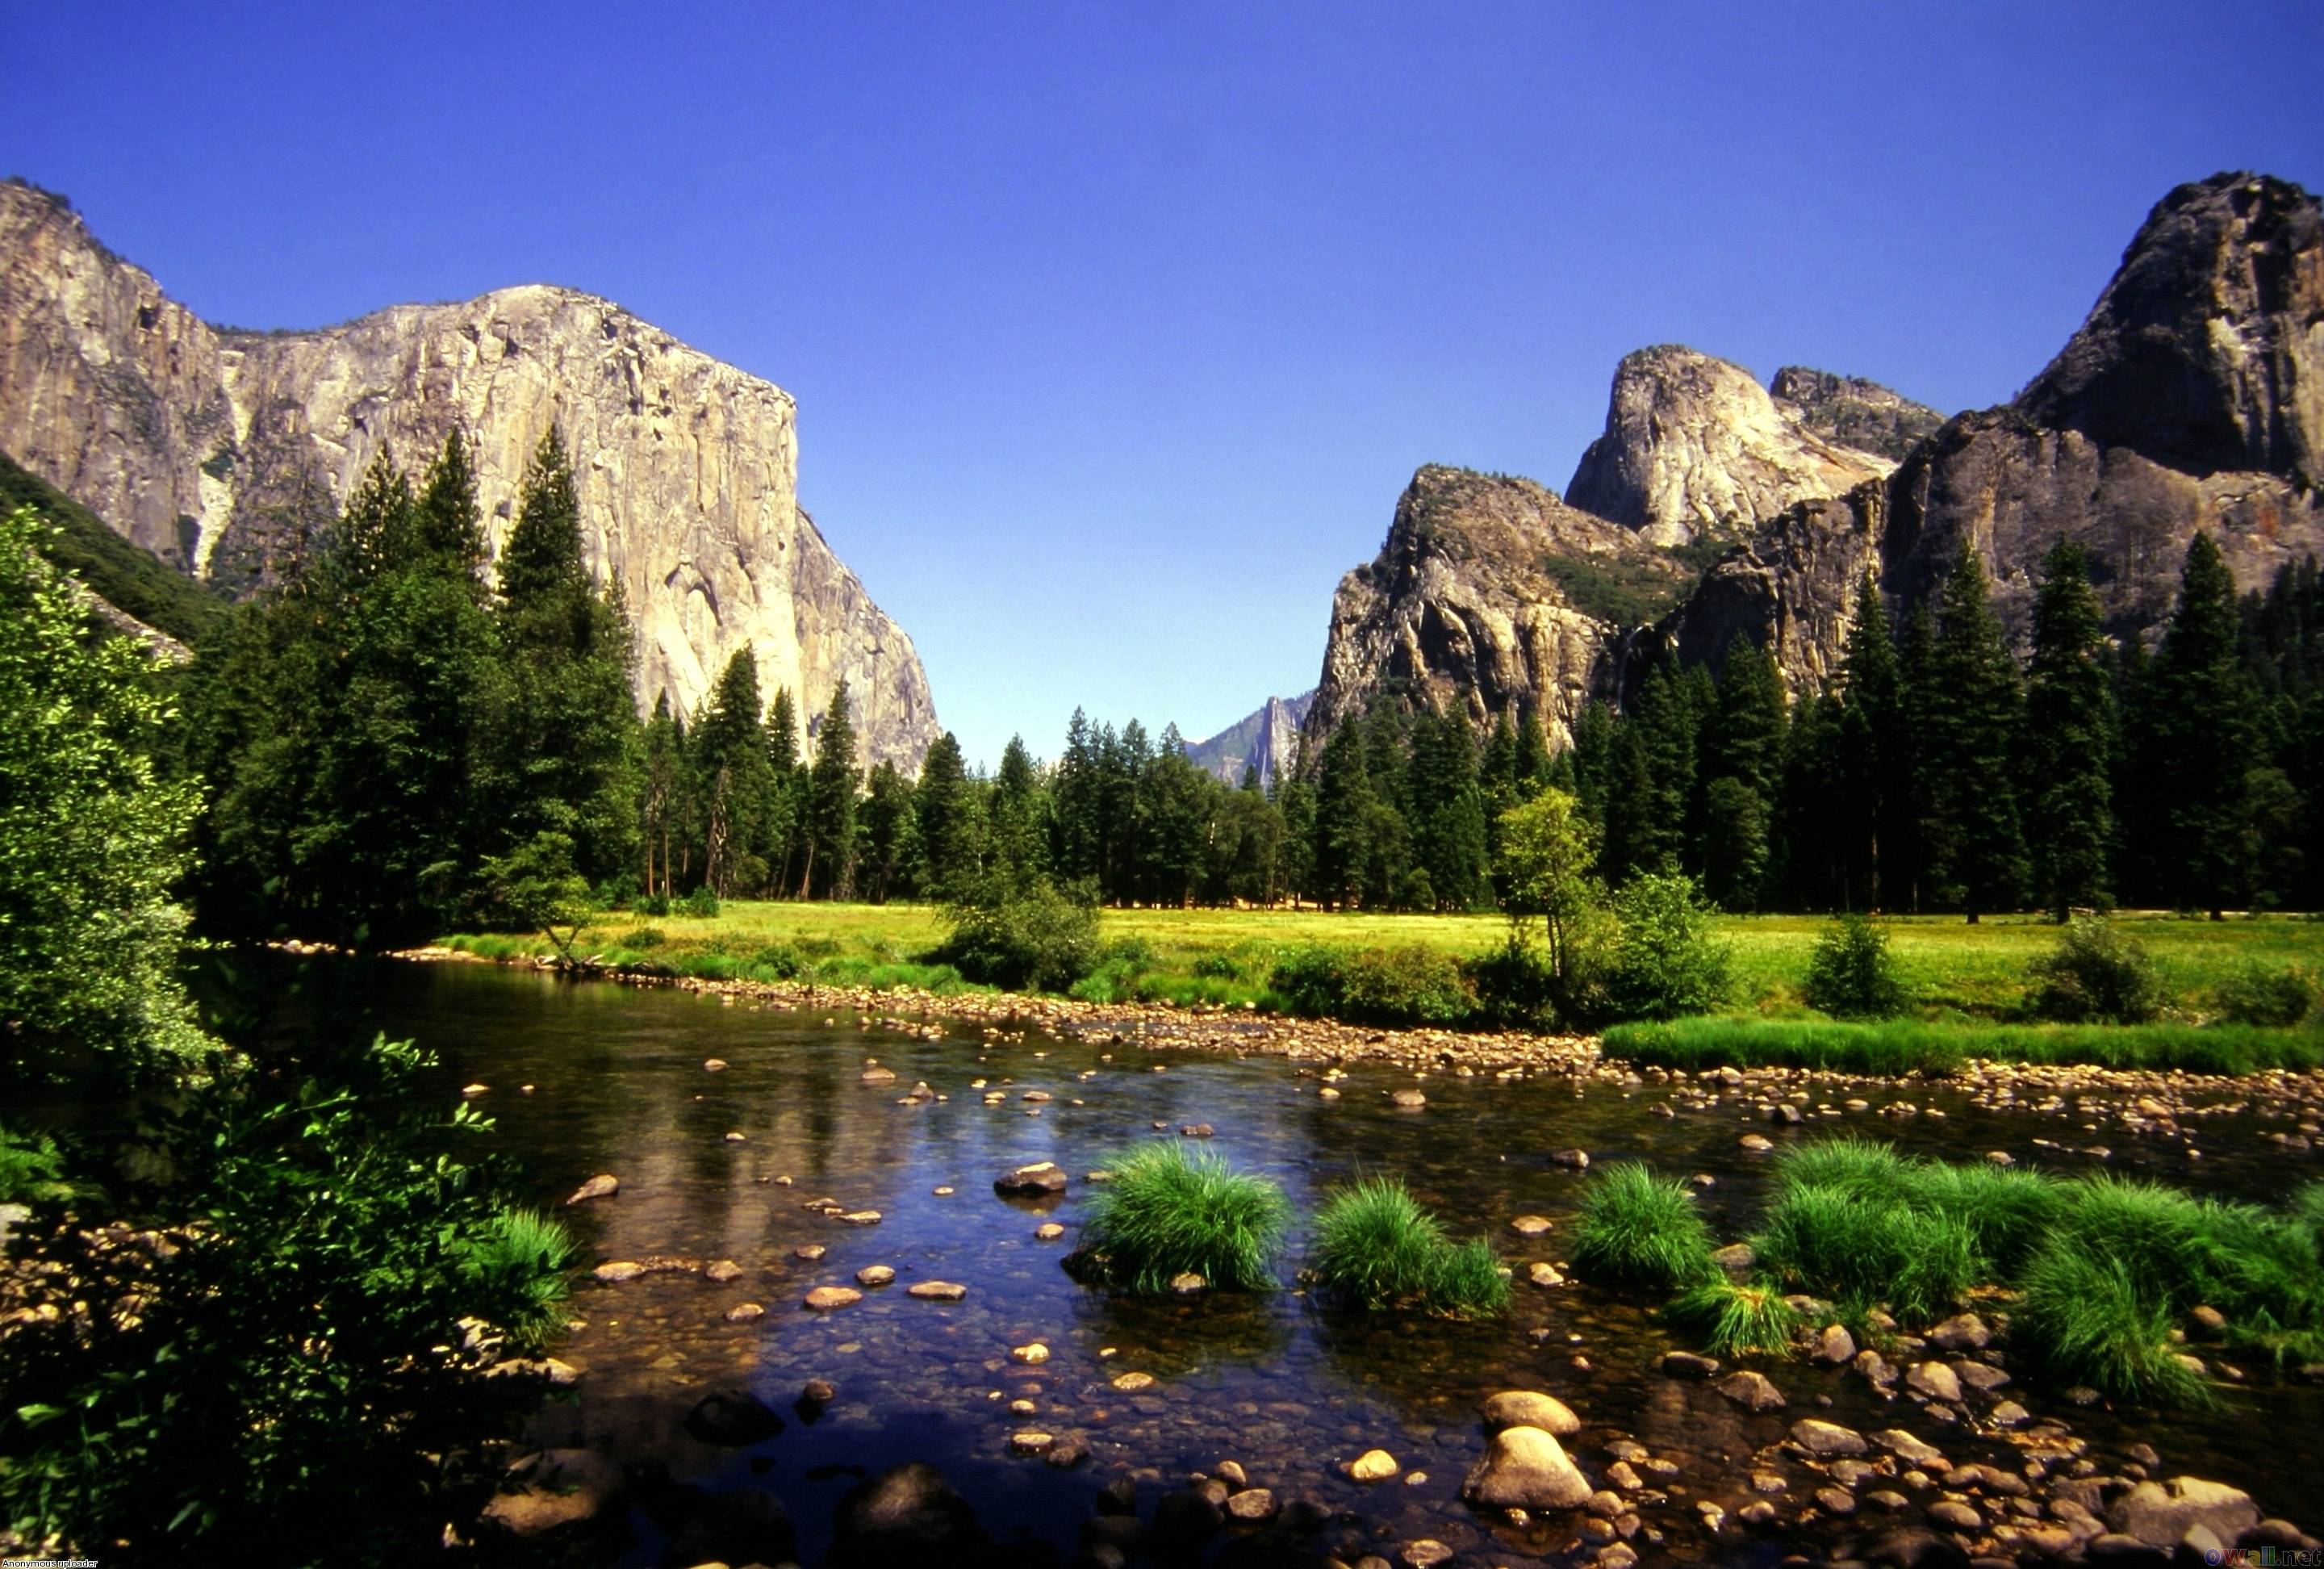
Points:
749	1526
2159	1513
557	1491
1530	1409
1525	1468
736	1418
907	1514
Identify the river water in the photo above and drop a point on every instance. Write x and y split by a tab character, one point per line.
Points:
1288	1387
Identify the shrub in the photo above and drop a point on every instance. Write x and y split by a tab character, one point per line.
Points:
1516	986
779	962
1641	1230
1377	1248
1737	1320
1387	986
1218	967
1852	975
1665	962
1170	1211
702	902
654	905
2096	974
1037	939
642	937
32	1169
2268	999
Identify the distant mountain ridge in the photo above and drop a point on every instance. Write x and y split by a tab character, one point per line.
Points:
1266	739
2192	399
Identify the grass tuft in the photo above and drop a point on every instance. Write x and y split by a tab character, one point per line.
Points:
1734	1320
1642	1230
1377	1246
2090	1322
1838	1243
1900	1047
1170	1211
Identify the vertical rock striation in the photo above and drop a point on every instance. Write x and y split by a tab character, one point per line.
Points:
225	452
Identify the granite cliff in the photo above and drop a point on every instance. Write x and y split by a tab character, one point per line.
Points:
2192	399
225	452
1266	740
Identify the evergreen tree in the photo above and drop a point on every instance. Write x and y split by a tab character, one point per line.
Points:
950	820
2070	738
2201	739
1344	819
1447	811
1916	652
831	793
1741	756
888	830
1075	824
1593	758
1017	831
1533	760
1816	827
449	524
662	806
1178	808
1975	846
731	778
781	833
1875	763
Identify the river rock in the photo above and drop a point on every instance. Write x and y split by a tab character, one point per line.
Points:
1936	1380
1956	1516
556	1491
1574	1159
909	1514
603	1185
1426	1553
1824	1439
1524	1468
808	1252
1735	1259
734	1418
1543	1275
861	1217
1687	1365
877	1076
1754	1144
614	1271
1530	1409
831	1298
1962	1332
1754	1391
1834	1347
875	1275
1035	1353
1408	1099
1188	1284
1034	1181
2159	1513
1907	1447
723	1270
1373	1465
1048	1233
1916	1547
745	1312
1252	1505
1133	1383
1530	1226
937	1290
1031	1440
747	1526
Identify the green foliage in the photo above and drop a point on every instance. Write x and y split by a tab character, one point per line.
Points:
1852	975
2265	998
1515	986
1919	1261
2070	736
1737	1320
1899	1047
2090	1322
1638	1229
1376	1247
123	574
308	1327
1401	986
1665	962
33	1170
1038	938
778	961
1549	851
1969	709
92	838
2096	972
1624	591
535	886
702	903
1171	1211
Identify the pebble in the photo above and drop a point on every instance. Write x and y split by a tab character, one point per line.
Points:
874	1275
831	1298
1373	1465
937	1290
1530	1226
745	1312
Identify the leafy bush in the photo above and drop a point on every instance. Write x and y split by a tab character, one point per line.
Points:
1852	975
1411	985
277	1362
1170	1211
1039	939
33	1170
1377	1246
702	903
1218	967
2267	998
2096	974
642	937
1665	962
654	905
779	962
1516	986
1641	1230
1737	1320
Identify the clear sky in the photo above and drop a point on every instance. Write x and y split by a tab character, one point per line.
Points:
1116	328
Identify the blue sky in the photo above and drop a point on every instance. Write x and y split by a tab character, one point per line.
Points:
1116	330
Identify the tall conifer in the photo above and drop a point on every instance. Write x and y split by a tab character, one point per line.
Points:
2070	738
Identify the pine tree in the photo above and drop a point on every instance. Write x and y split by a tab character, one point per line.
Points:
447	524
1447	813
2070	738
1017	829
890	834
1815	829
780	833
1976	845
1876	762
1742	755
731	778
1916	653
831	791
1178	807
660	807
1593	758
1344	819
2203	738
949	819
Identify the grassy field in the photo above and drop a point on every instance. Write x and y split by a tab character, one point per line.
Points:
1224	955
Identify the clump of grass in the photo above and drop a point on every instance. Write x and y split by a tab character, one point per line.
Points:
2006	1210
1735	1320
1170	1211
1642	1230
2090	1322
1898	1047
1376	1246
1836	1242
1866	1168
521	1258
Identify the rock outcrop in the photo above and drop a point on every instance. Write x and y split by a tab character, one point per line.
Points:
226	453
2193	400
1267	741
1695	447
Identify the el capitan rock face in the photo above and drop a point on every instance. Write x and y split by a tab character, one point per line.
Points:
226	452
2193	400
1266	740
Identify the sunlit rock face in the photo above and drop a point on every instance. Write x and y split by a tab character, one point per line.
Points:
226	452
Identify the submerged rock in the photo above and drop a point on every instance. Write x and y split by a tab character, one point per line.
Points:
556	1491
734	1418
909	1514
1034	1181
603	1185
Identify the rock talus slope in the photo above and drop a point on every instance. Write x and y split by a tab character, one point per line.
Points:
226	452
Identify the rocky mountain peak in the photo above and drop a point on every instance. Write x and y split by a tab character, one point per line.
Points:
1852	412
1694	446
2206	351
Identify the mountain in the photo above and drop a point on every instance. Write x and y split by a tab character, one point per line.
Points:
1266	740
130	581
2192	399
224	452
1696	448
